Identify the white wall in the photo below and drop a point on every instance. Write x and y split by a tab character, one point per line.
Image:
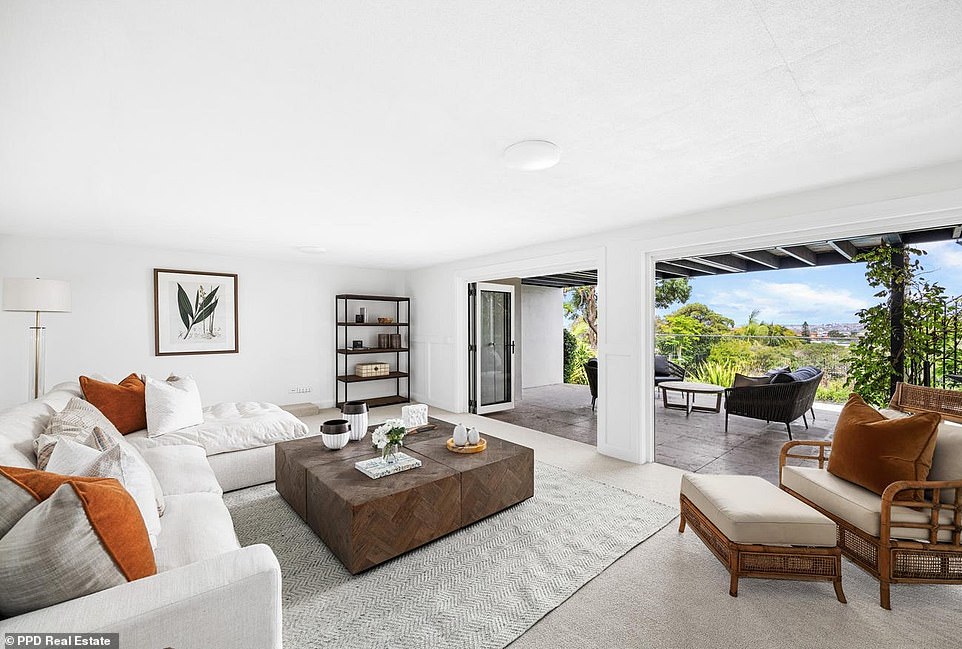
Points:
542	339
625	261
286	315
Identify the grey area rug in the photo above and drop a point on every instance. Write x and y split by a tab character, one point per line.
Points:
480	587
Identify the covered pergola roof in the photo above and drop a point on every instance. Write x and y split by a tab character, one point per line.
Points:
819	253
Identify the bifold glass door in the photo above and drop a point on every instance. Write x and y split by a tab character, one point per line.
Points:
491	347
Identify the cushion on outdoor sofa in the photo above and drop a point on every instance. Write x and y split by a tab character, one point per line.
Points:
661	365
857	505
801	374
743	381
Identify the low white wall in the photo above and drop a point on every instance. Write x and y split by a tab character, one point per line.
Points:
286	320
543	341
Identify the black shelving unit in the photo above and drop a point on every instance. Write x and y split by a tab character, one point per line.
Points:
400	373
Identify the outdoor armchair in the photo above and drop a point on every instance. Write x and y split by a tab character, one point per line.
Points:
782	402
665	370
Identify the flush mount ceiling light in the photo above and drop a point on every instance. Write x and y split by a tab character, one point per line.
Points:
312	250
532	155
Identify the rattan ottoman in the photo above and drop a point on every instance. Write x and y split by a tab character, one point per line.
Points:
757	530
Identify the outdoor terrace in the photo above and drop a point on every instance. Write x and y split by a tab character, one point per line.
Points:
695	443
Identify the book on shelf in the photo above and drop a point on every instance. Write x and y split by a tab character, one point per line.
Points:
379	467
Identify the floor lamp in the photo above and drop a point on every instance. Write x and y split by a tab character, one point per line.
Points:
39	296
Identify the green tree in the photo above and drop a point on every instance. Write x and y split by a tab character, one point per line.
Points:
581	303
872	360
806	331
672	291
713	321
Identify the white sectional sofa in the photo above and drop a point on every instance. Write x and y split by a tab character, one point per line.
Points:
208	591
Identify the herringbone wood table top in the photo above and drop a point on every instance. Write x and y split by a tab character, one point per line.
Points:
365	522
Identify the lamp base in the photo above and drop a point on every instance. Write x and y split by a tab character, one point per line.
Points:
36	387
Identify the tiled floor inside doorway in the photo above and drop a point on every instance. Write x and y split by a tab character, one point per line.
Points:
696	443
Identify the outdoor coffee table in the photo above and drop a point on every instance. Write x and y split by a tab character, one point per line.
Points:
365	522
690	389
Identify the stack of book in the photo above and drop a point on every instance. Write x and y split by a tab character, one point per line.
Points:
379	467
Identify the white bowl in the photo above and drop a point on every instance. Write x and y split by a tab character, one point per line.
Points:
335	442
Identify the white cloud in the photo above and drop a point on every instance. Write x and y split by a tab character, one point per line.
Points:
786	302
942	255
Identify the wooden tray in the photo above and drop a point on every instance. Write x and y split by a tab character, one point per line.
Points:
470	448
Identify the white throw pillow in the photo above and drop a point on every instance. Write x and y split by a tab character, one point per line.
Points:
103	457
172	405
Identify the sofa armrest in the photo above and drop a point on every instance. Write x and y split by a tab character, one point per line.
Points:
228	601
934	525
786	453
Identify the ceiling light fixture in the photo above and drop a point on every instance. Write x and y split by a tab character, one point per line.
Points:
532	155
312	250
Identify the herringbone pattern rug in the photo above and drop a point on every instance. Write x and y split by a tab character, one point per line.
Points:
480	587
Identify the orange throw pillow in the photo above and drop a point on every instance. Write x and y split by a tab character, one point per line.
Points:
873	451
123	404
111	511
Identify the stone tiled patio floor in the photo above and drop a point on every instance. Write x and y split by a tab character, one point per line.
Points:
695	443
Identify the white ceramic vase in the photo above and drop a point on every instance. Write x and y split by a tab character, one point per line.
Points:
473	436
358	425
460	435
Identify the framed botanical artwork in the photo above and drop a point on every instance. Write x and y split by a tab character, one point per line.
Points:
194	312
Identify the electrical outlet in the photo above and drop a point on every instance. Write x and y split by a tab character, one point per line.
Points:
301	389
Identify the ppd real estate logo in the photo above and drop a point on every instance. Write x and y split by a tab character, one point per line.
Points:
45	640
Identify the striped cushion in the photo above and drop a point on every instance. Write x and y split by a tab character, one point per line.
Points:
81	535
76	421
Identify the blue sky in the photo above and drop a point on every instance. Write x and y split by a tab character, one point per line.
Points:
817	295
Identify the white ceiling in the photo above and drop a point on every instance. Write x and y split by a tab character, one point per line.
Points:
255	127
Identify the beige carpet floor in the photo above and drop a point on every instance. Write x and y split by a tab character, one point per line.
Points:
671	592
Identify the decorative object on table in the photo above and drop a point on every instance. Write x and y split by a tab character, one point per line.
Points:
355	412
473	436
395	341
460	435
367	370
363	314
389	438
194	312
414	416
335	433
379	467
383	341
359	319
467	448
39	296
357	344
385	320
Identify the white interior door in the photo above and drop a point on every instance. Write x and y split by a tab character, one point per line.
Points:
494	330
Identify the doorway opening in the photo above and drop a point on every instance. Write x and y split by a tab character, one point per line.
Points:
552	364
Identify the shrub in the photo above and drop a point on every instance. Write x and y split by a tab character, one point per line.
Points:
834	392
715	373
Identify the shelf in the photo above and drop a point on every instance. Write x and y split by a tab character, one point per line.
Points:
372	350
380	401
350	378
372	324
372	298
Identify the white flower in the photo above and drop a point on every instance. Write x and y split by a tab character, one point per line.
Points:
379	437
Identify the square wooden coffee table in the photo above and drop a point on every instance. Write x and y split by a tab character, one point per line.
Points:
366	522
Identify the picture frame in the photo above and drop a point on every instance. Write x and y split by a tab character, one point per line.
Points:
195	312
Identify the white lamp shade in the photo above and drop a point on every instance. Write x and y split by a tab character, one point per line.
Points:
29	294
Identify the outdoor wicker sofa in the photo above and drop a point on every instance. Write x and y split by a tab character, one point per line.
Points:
897	541
783	402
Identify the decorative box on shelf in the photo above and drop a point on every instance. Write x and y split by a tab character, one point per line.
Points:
367	370
378	467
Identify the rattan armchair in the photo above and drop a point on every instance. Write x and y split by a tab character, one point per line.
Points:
781	402
934	559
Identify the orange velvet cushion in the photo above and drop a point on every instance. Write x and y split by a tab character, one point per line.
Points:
112	513
872	451
123	404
